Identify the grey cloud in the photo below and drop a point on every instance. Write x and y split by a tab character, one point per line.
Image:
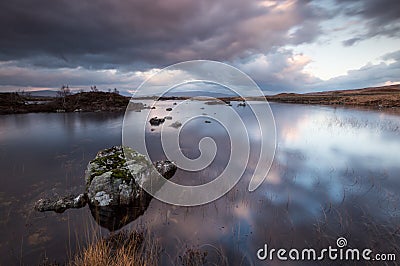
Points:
44	41
279	71
394	55
308	32
16	77
351	41
123	33
381	17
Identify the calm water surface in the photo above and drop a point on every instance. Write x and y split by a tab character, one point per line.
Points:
336	173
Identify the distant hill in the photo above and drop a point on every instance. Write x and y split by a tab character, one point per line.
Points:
13	103
186	94
43	93
364	91
379	97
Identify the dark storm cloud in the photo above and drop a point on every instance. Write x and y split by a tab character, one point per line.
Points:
47	43
381	17
116	33
54	78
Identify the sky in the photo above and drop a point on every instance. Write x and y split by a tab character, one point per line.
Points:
285	46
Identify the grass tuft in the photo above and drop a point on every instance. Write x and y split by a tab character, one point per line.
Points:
123	248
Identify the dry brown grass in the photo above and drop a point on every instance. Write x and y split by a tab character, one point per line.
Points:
124	248
193	257
130	249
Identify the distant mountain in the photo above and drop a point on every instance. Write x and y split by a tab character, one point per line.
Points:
363	91
198	93
125	93
43	93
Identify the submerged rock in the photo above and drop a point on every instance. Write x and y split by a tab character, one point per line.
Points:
134	106
61	204
215	102
116	217
176	124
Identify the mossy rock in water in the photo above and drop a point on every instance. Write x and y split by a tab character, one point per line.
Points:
115	176
114	181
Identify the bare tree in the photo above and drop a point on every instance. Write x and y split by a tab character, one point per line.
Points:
93	88
63	92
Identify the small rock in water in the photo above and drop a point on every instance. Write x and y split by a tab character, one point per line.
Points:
169	109
61	204
168	117
207	121
166	168
156	121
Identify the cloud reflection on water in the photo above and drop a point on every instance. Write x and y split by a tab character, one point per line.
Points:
335	172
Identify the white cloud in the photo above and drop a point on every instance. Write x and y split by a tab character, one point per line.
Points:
279	71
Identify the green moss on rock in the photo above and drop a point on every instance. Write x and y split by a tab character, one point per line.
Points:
112	159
